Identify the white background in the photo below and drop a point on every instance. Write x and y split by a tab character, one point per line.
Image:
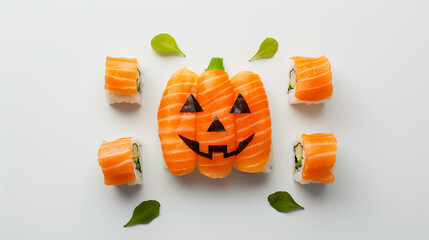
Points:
54	116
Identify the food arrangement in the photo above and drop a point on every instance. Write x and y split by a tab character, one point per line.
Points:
215	122
218	123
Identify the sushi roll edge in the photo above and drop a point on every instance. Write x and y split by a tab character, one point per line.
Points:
292	88
270	161
137	163
297	175
113	97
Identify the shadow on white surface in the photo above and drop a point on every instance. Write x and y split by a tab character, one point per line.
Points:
235	178
128	191
312	110
125	107
313	189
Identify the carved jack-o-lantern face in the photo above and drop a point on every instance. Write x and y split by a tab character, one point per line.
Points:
214	122
192	106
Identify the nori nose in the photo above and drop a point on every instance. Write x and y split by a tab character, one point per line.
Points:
216	126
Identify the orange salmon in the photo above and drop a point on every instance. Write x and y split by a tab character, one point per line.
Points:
320	155
121	75
313	78
115	159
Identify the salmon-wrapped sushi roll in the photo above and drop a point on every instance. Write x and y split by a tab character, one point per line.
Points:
122	80
315	156
310	80
120	161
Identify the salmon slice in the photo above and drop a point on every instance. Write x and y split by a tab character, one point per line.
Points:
121	75
215	95
320	156
115	159
179	158
254	158
313	78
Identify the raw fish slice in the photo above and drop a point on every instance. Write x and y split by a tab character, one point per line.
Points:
215	95
121	75
179	158
255	157
320	157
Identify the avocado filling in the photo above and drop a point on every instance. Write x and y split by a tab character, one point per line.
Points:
138	81
298	155
135	154
292	79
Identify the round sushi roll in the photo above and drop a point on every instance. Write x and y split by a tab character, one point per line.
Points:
122	80
315	156
120	161
310	80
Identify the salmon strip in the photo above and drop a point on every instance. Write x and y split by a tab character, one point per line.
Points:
215	95
121	75
115	159
314	78
179	158
254	158
320	156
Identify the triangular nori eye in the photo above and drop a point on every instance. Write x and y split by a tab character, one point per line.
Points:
240	105
191	105
216	126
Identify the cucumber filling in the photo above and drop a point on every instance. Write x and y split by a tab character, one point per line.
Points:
292	79
298	156
138	81
135	153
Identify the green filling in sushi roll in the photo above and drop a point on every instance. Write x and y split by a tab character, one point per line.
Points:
292	81
298	155
138	80
135	153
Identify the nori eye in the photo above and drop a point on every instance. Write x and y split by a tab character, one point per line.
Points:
240	105
191	105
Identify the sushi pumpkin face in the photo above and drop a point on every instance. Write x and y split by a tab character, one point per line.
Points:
214	122
193	106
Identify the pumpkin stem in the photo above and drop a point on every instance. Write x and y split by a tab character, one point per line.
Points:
216	63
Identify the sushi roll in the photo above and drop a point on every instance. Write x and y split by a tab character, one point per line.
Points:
120	161
122	81
315	156
310	80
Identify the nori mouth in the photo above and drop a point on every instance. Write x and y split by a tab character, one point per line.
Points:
195	146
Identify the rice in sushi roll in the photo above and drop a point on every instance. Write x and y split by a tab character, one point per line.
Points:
120	161
122	81
315	156
310	80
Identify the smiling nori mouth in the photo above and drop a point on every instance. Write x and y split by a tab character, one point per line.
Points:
195	146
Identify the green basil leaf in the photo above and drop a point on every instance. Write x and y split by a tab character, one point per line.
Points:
283	202
268	48
216	63
145	212
165	43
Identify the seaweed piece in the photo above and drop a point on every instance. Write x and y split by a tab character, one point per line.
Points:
240	105
195	146
191	105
